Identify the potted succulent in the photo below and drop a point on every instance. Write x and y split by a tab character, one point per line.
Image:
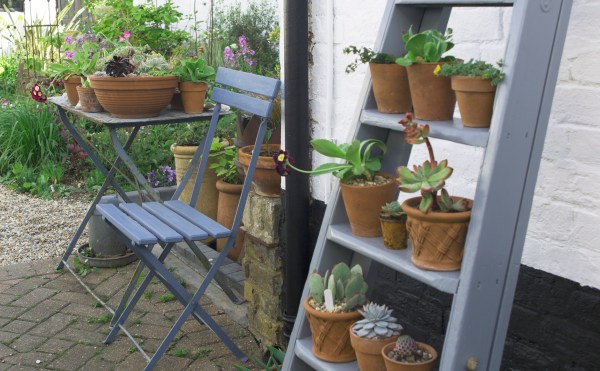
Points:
75	69
194	75
393	226
364	190
432	96
390	83
135	83
437	225
406	354
370	334
331	309
229	186
474	83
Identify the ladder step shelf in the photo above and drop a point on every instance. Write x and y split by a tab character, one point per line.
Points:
456	2
303	350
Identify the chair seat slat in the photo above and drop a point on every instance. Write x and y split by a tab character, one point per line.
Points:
152	223
213	228
186	228
129	227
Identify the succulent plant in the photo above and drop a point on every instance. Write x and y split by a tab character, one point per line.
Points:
392	210
430	177
118	67
405	346
407	349
347	286
378	322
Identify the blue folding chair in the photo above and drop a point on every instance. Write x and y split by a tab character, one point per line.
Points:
143	225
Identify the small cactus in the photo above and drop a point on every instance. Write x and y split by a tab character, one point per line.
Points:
405	346
392	210
408	350
378	323
347	286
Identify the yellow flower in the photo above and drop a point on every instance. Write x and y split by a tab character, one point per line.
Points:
437	70
281	157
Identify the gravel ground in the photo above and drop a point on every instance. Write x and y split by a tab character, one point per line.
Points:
34	229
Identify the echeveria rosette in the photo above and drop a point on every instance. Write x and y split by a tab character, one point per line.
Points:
427	178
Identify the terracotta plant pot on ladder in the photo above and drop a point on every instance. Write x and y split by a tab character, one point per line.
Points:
390	88
475	98
432	96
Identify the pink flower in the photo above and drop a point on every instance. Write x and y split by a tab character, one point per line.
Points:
127	34
121	39
70	54
4	102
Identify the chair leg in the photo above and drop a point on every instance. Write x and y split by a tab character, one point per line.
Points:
127	294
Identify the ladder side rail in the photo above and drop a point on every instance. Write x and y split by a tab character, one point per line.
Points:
481	307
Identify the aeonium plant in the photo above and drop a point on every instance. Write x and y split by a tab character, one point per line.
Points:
360	166
429	178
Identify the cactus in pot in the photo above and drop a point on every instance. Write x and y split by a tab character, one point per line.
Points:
406	354
347	286
393	226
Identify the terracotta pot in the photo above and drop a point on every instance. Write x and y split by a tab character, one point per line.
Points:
229	197
247	129
208	195
266	181
390	88
438	239
176	102
394	232
368	352
193	95
363	205
432	96
134	97
87	100
331	334
475	98
71	85
393	365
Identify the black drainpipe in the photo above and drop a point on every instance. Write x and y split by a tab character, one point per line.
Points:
295	236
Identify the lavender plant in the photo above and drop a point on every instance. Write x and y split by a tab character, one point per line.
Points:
164	176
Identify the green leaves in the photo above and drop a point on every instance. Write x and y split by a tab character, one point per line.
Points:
475	68
427	178
195	70
427	46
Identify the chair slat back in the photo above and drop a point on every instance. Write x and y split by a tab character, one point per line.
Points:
244	102
249	82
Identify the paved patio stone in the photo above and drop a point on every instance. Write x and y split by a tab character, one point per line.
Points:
54	345
18	326
74	358
29	359
8	311
27	343
7	298
43	310
34	297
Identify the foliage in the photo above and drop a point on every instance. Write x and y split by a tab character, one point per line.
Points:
427	46
118	67
82	62
149	24
366	55
274	360
128	60
360	164
377	323
430	177
164	176
473	68
392	210
9	70
191	134
347	287
224	165
195	70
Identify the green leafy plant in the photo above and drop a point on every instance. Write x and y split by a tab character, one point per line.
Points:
378	322
104	319
347	286
82	63
224	165
366	55
181	352
274	360
427	46
195	70
392	210
165	298
474	68
430	177
360	163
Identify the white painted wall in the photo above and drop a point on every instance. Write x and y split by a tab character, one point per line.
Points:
563	236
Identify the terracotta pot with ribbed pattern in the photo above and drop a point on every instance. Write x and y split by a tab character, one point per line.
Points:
438	239
134	97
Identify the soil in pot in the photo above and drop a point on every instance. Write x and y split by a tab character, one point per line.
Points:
393	365
475	98
193	96
390	88
363	203
229	197
331	334
394	232
71	85
438	239
87	100
368	352
266	181
432	96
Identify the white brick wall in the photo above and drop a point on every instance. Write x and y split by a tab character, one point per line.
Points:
564	235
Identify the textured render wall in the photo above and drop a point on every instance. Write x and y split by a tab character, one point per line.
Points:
563	237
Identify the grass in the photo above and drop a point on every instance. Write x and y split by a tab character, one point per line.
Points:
181	352
104	319
202	353
148	294
165	298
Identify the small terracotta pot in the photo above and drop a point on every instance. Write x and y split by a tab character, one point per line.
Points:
331	334
71	85
438	239
395	236
432	96
475	98
87	100
266	181
363	205
229	197
393	365
192	96
390	88
368	351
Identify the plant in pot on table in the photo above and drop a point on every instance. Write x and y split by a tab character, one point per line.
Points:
370	334
194	75
331	309
432	97
474	83
364	190
390	83
437	224
406	354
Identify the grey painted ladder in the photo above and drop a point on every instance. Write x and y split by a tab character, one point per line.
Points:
484	288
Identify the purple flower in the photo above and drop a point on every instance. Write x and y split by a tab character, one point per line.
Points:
37	94
68	40
228	57
164	176
4	102
70	54
282	159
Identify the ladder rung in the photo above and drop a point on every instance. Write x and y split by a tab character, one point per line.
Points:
456	2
